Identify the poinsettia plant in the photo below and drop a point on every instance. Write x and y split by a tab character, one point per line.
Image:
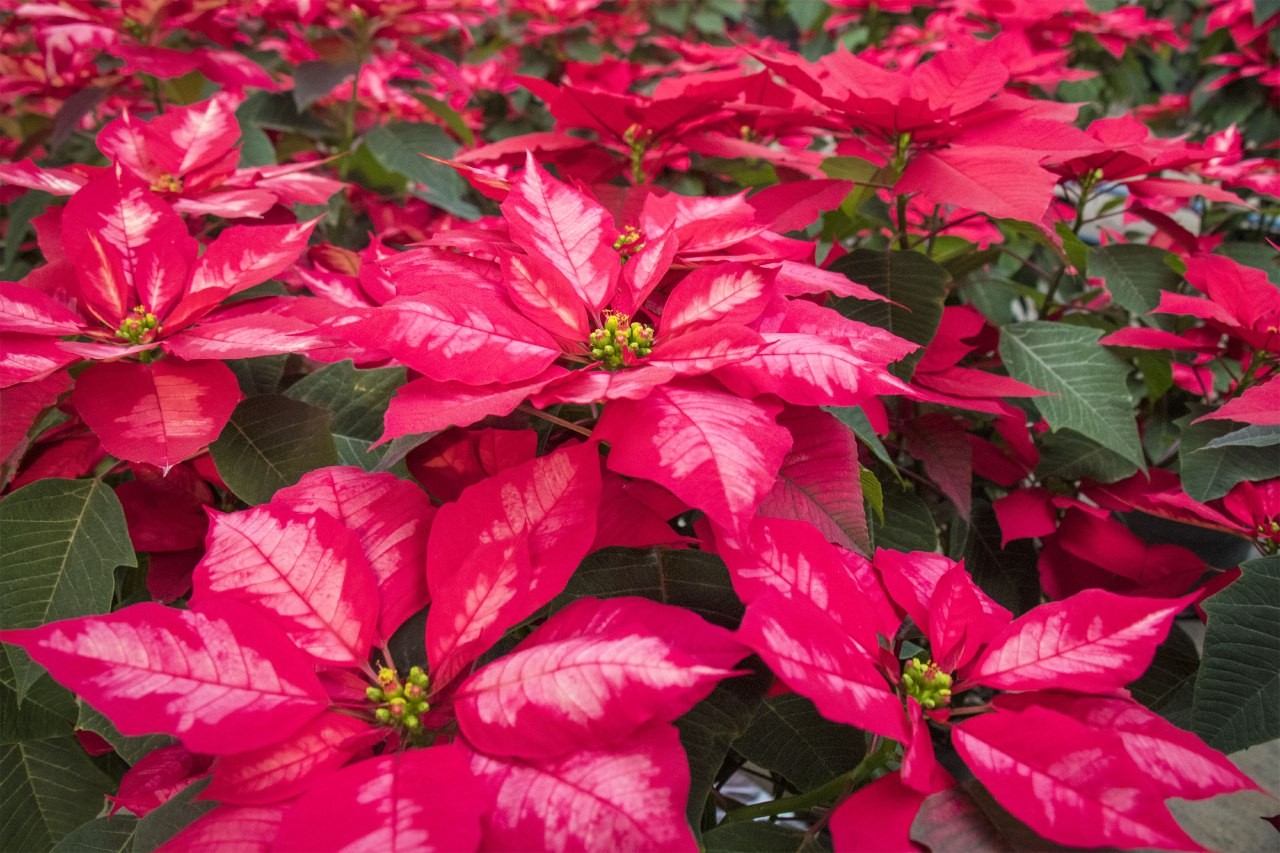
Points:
657	426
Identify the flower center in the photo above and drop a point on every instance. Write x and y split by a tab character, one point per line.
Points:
398	703
138	328
930	686
620	342
167	183
628	242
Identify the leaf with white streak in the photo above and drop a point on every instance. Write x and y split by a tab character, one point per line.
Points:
728	293
592	675
222	679
628	798
307	572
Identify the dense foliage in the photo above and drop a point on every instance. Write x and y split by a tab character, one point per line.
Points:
570	424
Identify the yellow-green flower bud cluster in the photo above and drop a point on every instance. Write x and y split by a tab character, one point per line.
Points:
611	343
930	686
400	704
138	328
628	242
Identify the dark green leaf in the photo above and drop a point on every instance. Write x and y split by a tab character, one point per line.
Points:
1211	472
269	443
358	400
255	148
258	375
1263	10
19	213
789	736
1166	687
1237	693
131	749
1258	435
695	580
47	711
1086	381
709	729
450	117
313	80
101	835
1069	455
916	285
1009	575
761	837
856	419
1135	274
170	819
61	541
1077	251
48	787
908	525
400	146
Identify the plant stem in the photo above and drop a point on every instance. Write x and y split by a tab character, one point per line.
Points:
547	416
821	796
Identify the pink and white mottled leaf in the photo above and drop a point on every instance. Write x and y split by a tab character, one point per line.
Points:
716	451
282	771
245	255
245	337
593	674
25	173
544	295
26	310
158	413
728	293
818	482
567	228
129	248
504	549
245	829
1070	783
1093	642
307	572
631	797
222	679
426	405
390	517
27	358
810	370
413	800
809	651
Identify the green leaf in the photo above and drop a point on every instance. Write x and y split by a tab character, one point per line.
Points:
112	834
1077	251
1211	472
789	736
171	818
761	837
48	787
19	214
269	443
1263	10
1259	435
1237	693
856	419
358	400
1167	685
695	580
710	728
1009	575
1088	382
131	749
399	147
1135	274
916	285
872	491
907	526
450	117
62	541
48	710
317	78
259	375
1069	455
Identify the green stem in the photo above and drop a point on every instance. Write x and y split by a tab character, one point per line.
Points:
822	796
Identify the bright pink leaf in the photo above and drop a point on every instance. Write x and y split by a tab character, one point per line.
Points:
419	799
425	405
159	413
544	295
504	549
281	771
878	817
21	405
593	674
808	650
28	358
1257	405
1093	642
307	572
982	179
793	206
1025	514
714	450
390	517
222	679
1070	783
1177	761
629	798
157	777
941	444
27	310
569	229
